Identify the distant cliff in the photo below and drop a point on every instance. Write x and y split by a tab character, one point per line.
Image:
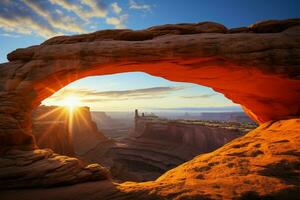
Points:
157	145
55	128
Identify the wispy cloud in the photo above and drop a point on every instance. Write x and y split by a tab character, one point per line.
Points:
48	18
118	22
56	19
84	9
87	95
202	96
139	6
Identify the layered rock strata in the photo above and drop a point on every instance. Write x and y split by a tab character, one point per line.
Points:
158	145
43	168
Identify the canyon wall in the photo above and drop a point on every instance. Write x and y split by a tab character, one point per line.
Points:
68	134
157	145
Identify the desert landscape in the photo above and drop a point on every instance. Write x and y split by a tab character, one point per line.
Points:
245	148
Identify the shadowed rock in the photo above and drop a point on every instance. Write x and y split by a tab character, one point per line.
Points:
43	168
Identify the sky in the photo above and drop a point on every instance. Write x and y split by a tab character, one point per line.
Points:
29	22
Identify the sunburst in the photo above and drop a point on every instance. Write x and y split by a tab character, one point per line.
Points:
71	102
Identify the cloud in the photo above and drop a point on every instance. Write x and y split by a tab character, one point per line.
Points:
136	6
60	21
48	18
116	8
9	35
84	9
118	22
203	96
16	17
87	95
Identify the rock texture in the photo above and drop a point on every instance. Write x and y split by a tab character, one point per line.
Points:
43	168
257	67
264	164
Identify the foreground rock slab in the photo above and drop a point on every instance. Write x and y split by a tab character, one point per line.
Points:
43	168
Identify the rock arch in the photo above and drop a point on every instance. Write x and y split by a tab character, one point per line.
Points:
257	67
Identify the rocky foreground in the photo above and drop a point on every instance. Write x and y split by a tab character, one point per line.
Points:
264	164
43	168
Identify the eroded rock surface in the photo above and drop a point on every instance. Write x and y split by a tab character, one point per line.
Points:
43	168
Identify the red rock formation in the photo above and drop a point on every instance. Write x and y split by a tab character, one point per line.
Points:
259	71
202	137
257	67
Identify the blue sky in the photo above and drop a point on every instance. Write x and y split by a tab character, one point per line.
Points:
29	22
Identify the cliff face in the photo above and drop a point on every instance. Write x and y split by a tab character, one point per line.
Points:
54	128
204	137
201	137
84	131
158	145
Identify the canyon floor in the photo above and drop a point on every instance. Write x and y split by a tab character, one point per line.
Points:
263	164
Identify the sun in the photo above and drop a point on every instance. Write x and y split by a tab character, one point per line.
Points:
71	102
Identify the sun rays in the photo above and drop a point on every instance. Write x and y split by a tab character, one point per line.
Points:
66	111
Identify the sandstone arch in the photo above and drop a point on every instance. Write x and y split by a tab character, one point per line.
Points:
257	67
